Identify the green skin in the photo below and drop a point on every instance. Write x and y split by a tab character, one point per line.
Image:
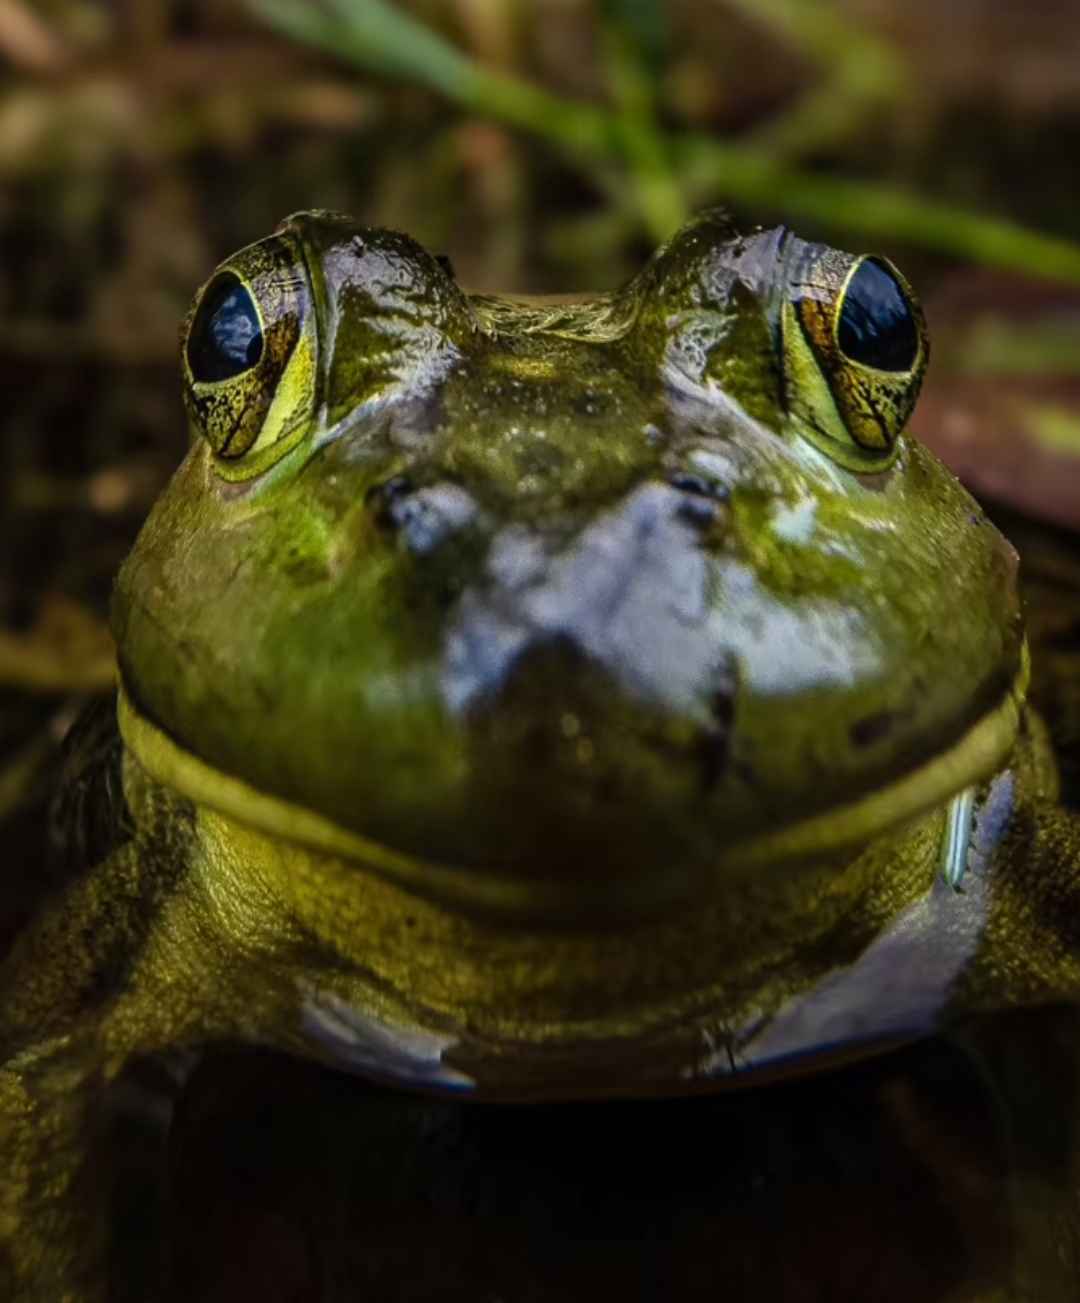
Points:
539	700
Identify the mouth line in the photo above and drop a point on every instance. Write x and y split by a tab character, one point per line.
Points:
977	754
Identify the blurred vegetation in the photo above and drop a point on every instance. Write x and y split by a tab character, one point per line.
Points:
543	146
660	177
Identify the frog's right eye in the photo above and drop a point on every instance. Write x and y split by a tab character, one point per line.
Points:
249	359
226	336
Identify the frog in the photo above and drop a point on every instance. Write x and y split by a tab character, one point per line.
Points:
528	699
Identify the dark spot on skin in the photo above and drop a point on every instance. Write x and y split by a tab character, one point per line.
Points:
714	743
712	756
302	569
386	500
873	728
722	706
444	262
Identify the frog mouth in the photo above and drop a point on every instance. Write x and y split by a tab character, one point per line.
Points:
979	753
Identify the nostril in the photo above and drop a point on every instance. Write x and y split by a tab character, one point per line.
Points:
423	517
686	482
702	498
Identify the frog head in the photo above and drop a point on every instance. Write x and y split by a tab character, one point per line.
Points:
569	607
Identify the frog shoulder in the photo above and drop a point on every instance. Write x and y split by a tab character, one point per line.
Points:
89	816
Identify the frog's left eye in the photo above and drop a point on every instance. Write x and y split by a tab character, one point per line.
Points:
854	352
249	358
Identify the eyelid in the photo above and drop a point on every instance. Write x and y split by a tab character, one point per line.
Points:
251	404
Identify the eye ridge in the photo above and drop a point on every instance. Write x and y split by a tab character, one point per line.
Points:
226	336
875	325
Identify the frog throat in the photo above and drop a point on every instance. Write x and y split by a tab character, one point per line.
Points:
978	753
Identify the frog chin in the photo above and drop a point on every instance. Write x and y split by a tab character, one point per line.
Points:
978	754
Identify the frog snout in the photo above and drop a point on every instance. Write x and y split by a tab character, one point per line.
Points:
599	654
561	717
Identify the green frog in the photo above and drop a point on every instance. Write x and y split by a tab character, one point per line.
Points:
539	700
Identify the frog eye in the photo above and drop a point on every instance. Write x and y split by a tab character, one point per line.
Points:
248	357
854	352
876	327
226	336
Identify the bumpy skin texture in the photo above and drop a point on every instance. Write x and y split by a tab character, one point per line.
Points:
539	701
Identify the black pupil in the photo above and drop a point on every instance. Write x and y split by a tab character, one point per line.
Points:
226	337
876	325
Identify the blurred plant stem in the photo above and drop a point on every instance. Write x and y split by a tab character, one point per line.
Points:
873	208
660	200
373	35
861	76
376	36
